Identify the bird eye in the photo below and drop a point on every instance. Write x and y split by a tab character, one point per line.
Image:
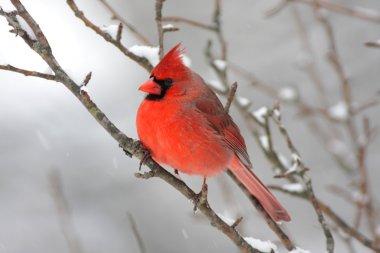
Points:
168	81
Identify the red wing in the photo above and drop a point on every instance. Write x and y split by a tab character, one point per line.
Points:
223	124
236	142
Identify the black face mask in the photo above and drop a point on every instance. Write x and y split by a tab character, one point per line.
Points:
165	84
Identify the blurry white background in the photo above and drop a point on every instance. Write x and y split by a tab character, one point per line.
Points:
44	128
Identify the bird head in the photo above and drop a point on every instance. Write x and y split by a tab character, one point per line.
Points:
169	71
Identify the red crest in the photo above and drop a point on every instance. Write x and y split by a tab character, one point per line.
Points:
171	65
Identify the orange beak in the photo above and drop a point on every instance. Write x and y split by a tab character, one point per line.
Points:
150	87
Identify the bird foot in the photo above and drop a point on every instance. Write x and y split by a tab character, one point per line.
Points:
145	157
201	197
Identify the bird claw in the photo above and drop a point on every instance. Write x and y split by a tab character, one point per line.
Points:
201	197
145	157
177	175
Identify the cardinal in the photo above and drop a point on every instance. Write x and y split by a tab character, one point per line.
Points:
183	124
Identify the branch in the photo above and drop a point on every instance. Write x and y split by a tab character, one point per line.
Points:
28	72
218	26
17	29
373	44
367	199
160	30
191	22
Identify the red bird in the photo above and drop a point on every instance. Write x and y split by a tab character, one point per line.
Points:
184	125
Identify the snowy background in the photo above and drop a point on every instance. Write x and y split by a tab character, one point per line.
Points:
43	128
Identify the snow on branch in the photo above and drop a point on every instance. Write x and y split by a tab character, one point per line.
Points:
264	246
150	53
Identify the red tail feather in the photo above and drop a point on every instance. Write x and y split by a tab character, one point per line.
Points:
271	205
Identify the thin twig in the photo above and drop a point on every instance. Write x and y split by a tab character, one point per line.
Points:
119	32
237	222
373	44
63	211
346	239
277	8
219	32
230	97
191	22
364	182
136	232
345	194
131	28
160	30
28	72
87	79
321	218
366	104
